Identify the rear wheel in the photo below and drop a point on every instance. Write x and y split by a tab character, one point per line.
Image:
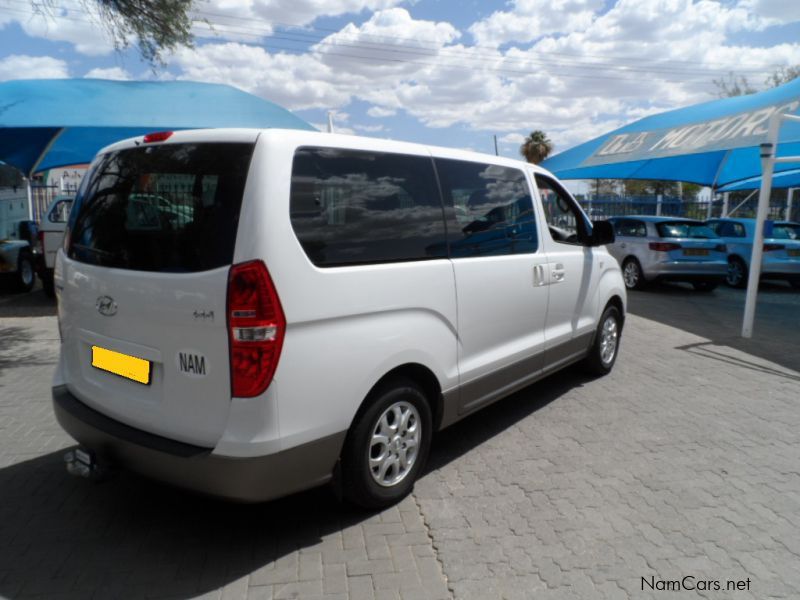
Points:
632	274
48	284
705	286
387	446
26	276
603	353
737	272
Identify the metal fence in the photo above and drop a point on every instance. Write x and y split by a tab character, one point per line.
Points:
615	206
43	195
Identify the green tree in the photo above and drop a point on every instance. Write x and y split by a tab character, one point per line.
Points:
739	86
536	147
155	26
650	187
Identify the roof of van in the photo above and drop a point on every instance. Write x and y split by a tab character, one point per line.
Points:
326	139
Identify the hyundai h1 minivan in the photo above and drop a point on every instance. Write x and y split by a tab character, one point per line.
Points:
251	313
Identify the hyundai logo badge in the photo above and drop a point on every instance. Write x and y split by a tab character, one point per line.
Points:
106	306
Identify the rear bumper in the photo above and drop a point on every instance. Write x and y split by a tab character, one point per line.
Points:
196	468
780	269
689	271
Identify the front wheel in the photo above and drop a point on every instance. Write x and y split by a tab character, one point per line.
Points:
387	446
603	353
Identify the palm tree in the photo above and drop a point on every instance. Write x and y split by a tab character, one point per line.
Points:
536	147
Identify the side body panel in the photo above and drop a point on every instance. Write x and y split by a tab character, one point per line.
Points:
346	326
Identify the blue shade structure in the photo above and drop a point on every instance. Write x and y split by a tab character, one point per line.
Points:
47	123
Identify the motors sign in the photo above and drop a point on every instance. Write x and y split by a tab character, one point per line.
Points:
734	131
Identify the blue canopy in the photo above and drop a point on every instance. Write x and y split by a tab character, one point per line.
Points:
52	123
785	179
713	143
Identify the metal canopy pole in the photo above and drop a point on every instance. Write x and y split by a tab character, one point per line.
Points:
789	194
768	160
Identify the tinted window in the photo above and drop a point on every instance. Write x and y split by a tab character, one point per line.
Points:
489	209
356	207
173	207
786	231
630	228
565	220
687	229
729	229
60	211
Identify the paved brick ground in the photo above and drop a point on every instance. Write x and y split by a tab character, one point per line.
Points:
683	462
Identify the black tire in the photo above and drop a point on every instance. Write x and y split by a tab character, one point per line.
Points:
737	272
48	284
705	286
598	361
359	485
25	275
632	274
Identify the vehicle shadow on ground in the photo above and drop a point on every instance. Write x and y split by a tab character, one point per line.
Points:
717	317
30	304
130	537
12	340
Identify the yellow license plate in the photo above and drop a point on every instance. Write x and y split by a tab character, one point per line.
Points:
124	365
793	252
695	252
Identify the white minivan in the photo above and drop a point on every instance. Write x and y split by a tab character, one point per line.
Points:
249	313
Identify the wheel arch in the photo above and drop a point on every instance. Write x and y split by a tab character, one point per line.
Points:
419	374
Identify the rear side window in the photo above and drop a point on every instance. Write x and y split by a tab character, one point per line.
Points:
489	209
630	228
169	208
786	231
357	207
730	229
687	229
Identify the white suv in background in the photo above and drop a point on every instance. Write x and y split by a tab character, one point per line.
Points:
304	307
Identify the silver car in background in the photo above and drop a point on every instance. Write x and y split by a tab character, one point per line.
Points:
668	249
781	258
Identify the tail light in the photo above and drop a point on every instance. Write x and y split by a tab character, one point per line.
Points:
664	246
773	247
256	325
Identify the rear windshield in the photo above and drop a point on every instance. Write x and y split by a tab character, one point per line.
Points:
678	229
169	208
786	231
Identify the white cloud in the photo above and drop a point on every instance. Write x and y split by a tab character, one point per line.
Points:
378	112
512	138
20	66
80	28
116	73
573	86
530	19
778	11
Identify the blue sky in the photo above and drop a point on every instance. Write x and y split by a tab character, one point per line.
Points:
440	71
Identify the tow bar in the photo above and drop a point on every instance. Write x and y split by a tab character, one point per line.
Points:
82	462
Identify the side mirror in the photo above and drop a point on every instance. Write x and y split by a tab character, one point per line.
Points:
602	233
